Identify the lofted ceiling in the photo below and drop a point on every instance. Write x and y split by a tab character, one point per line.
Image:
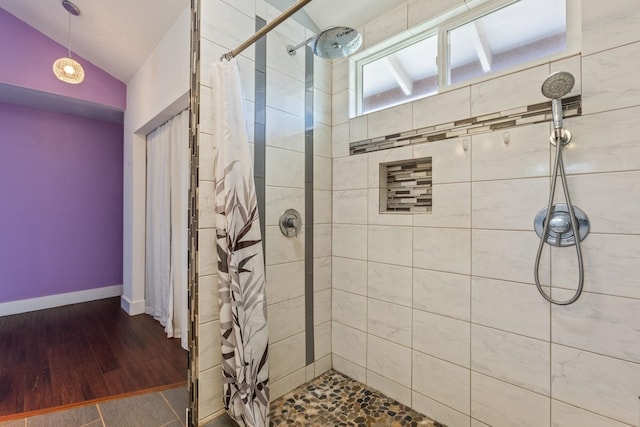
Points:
332	13
118	35
115	35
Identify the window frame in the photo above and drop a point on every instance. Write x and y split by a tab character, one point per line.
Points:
440	26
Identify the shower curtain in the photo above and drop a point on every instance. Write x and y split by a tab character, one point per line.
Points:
167	229
241	278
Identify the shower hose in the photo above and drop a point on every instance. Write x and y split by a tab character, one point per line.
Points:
559	166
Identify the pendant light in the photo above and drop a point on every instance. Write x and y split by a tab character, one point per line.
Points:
67	69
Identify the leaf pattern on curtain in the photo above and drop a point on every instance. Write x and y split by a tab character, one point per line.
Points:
241	277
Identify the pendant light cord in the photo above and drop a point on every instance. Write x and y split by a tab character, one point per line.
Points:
69	34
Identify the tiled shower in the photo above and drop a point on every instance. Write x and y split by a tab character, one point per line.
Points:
439	310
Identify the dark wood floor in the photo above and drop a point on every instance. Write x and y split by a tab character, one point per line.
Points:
83	352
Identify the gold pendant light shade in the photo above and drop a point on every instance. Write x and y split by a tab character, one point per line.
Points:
67	69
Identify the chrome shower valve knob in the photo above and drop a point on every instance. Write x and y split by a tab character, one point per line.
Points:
290	223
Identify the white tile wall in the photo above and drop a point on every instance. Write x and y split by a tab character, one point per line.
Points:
442	249
350	275
322	306
350	207
443	337
525	155
608	325
451	161
442	293
390	388
285	319
285	281
501	354
605	26
349	309
391	283
438	411
322	139
349	344
609	80
508	255
488	350
429	113
597	383
452	207
500	404
389	360
389	321
279	199
284	130
350	241
603	142
508	204
511	91
526	313
610	264
391	120
340	140
442	381
322	274
392	245
563	415
286	356
322	206
285	168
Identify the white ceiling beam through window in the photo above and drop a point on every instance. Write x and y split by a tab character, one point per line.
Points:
482	46
400	74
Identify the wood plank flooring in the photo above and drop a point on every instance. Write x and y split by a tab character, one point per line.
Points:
83	352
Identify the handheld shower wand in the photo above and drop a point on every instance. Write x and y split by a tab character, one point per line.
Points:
555	87
560	224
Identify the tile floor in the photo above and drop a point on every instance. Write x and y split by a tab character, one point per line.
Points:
332	399
159	409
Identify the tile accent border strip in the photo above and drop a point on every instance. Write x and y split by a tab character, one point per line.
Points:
259	129
192	257
308	207
529	114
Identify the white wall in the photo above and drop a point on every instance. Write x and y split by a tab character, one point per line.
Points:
439	310
158	91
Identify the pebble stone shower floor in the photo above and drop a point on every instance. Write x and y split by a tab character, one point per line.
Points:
334	399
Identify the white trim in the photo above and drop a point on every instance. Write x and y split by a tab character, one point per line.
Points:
132	308
50	301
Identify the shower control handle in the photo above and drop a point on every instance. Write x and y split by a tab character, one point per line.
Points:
290	223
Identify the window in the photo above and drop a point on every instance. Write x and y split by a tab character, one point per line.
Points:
515	34
497	36
401	76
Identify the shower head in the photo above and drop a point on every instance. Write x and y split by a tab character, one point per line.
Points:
334	42
558	85
555	87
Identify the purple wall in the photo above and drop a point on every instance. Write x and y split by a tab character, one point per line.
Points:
27	58
60	203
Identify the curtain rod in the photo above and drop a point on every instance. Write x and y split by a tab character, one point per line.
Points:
264	30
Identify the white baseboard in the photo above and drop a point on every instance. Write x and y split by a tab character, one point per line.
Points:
132	308
50	301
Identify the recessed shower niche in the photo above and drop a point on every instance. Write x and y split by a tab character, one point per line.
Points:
406	186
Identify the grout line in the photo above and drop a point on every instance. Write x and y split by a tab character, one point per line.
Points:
104	424
171	408
471	273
